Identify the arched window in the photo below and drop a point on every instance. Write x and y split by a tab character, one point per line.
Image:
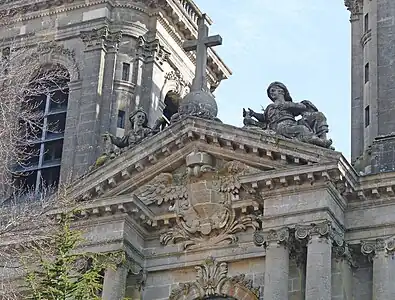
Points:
172	102
47	98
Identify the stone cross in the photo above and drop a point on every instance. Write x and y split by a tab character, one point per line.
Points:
203	42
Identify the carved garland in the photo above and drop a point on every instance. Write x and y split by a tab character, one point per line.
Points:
212	280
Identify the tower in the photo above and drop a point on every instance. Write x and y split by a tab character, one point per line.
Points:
373	84
120	56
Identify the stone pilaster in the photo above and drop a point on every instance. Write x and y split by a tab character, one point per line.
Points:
381	252
109	107
342	272
90	102
319	254
70	133
277	262
114	285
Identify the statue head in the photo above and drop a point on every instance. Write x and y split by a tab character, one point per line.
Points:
139	118
277	89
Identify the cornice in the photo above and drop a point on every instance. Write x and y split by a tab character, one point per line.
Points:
216	138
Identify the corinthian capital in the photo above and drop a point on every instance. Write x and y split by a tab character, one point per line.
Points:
101	37
279	236
354	6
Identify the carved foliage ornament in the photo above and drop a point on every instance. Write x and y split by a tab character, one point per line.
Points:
354	6
152	50
101	36
212	280
181	87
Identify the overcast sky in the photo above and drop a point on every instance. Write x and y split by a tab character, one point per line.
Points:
303	43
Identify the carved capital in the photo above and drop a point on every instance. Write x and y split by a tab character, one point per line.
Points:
343	252
101	37
315	229
151	51
354	6
372	248
279	236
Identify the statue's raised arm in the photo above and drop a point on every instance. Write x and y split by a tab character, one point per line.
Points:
280	117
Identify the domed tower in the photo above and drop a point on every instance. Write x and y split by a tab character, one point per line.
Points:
373	85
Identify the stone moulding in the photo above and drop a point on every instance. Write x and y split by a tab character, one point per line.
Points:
212	280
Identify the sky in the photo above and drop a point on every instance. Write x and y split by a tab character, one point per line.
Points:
303	43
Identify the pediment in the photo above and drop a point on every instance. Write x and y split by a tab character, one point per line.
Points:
166	152
198	177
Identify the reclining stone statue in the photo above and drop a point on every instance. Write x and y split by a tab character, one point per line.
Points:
280	117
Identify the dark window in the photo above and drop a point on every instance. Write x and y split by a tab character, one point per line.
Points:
171	105
121	119
366	72
42	167
367	116
366	23
125	71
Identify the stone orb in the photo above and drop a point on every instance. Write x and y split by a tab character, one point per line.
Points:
199	103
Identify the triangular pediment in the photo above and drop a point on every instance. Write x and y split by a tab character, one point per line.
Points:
166	152
198	177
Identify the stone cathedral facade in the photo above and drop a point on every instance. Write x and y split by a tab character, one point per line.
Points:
206	210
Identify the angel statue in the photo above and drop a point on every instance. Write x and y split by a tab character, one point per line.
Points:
280	117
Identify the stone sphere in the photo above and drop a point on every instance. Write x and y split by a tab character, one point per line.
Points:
199	103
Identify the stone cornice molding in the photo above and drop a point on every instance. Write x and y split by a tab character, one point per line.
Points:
114	177
385	246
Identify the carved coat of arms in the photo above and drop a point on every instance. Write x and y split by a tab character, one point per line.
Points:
205	215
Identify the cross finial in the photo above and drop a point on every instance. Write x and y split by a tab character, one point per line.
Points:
203	42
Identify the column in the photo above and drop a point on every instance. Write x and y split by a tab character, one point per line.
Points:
342	272
381	252
318	265
276	263
114	285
